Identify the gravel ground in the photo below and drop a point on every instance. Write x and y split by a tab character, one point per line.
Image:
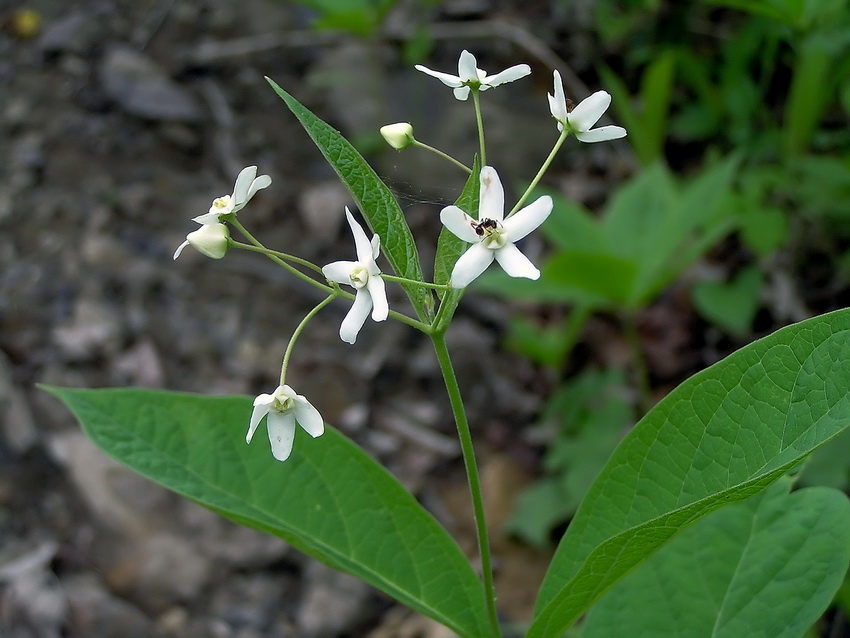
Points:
122	120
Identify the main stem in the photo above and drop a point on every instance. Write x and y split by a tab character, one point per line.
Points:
480	122
472	475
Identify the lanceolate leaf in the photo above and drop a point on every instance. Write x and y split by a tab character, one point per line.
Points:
374	199
720	437
450	247
786	553
329	499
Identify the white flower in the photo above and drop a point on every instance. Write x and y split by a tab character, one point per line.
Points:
210	240
284	409
470	76
365	276
493	236
399	136
247	184
580	119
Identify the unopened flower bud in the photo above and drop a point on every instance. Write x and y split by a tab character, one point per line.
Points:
210	240
399	136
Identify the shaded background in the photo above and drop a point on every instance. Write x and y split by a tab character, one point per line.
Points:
122	120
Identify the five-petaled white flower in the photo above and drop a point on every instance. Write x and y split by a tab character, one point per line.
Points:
470	76
493	236
365	276
210	240
580	119
247	184
284	408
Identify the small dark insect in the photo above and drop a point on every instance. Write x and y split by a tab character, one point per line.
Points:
484	225
570	105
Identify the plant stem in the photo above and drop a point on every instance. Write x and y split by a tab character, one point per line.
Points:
336	290
639	362
297	332
564	135
480	122
445	156
472	475
423	284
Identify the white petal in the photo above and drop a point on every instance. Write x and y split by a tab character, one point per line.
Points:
602	134
471	264
376	246
527	219
449	80
515	263
243	183
459	223
361	242
281	428
462	93
378	292
508	75
263	181
339	271
589	110
308	417
558	101
467	67
206	218
491	203
260	410
180	249
356	316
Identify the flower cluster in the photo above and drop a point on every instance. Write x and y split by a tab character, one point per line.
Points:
212	238
491	233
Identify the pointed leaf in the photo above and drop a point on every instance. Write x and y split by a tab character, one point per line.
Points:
330	499
373	198
720	437
450	247
766	567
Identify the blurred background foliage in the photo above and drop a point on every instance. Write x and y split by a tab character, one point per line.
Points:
737	113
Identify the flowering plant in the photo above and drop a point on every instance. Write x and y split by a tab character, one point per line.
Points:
729	433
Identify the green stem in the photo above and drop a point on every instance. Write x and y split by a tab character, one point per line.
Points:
297	332
445	156
639	361
336	290
423	284
276	253
480	122
564	135
472	474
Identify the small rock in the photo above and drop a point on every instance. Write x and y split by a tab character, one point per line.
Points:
93	329
141	365
333	604
142	88
33	596
322	207
96	613
74	33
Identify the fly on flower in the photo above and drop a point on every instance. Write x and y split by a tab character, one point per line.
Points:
365	277
469	76
247	185
284	408
581	118
492	236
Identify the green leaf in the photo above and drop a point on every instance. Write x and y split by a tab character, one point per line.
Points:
766	567
374	199
606	276
720	437
733	305
329	499
449	246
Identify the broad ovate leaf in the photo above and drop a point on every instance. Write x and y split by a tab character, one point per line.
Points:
720	437
329	499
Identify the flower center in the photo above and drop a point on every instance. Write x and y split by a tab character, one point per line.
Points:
359	276
221	205
491	232
283	404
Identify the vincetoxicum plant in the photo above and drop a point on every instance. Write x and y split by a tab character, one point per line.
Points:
721	437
